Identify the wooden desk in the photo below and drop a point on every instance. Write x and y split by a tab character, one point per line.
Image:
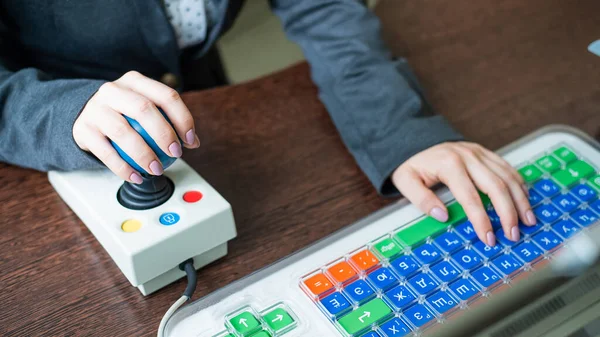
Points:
496	69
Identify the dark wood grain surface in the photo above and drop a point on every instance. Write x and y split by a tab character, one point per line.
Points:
496	69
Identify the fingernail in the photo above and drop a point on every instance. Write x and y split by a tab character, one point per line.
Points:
439	214
514	233
190	136
198	141
530	217
175	149
136	178
491	239
156	168
525	189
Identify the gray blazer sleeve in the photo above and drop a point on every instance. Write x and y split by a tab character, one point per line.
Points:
375	103
37	113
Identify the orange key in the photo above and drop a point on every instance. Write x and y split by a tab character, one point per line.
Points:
318	284
342	272
365	260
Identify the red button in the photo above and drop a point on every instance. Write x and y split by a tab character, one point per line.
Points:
192	196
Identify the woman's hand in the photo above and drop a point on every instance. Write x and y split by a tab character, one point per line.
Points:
465	168
137	97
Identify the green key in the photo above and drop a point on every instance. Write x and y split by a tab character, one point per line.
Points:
485	200
548	163
365	315
224	334
278	319
430	226
388	248
595	181
262	334
530	173
566	177
582	168
565	154
245	323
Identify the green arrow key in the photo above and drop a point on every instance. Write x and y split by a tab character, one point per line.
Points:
582	168
278	319
595	181
361	318
430	226
530	173
565	154
262	334
245	323
388	248
548	163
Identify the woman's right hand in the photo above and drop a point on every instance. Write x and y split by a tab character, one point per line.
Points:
137	97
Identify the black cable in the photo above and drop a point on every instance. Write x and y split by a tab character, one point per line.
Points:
190	271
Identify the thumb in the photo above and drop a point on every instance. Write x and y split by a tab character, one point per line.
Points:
411	186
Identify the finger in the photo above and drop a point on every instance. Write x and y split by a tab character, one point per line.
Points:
98	145
483	152
492	185
114	126
520	199
456	177
169	100
144	111
411	186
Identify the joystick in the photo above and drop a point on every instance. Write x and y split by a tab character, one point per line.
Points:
150	228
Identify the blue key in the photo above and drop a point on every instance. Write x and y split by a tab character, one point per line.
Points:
485	276
441	301
467	231
534	197
530	229
547	213
449	242
486	250
427	253
382	278
359	291
546	187
566	202
423	283
394	328
506	263
419	315
585	217
336	304
405	265
566	228
527	251
464	288
467	258
494	218
547	240
584	192
400	296
503	239
445	271
595	206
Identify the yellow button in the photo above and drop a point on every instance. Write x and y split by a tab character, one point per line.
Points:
131	226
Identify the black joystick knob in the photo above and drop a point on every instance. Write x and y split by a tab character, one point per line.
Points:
152	192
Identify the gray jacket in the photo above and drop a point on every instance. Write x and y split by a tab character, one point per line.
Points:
54	55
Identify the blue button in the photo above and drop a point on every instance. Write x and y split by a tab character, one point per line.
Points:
394	328
485	276
584	217
584	192
359	291
486	250
169	218
534	197
527	251
464	289
419	315
405	265
506	263
449	242
441	301
427	253
382	278
445	271
400	296
501	237
467	258
547	213
595	206
467	231
494	218
566	228
423	283
547	240
530	229
336	304
566	202
546	187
